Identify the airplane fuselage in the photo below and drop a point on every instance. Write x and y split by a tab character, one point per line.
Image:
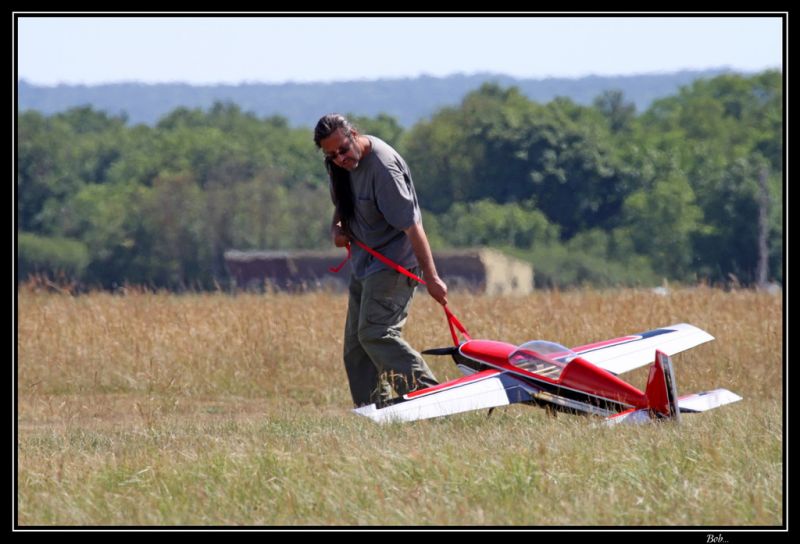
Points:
579	387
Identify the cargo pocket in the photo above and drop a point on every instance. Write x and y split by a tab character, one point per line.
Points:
385	311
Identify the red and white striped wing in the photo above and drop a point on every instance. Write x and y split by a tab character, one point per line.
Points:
485	389
628	352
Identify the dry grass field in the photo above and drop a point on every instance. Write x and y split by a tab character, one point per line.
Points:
219	410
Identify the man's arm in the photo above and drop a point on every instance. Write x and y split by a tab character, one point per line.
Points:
340	239
419	241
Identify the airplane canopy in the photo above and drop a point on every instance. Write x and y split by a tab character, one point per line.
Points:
542	357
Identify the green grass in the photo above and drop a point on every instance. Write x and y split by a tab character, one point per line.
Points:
219	411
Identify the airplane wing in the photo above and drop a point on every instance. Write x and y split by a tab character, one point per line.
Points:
628	352
485	389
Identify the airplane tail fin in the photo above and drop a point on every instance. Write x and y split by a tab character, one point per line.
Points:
663	401
662	392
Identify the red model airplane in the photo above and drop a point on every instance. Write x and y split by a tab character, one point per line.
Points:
578	380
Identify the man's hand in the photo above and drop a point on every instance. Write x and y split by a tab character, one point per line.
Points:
340	239
437	289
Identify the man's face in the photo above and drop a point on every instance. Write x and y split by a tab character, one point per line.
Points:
343	151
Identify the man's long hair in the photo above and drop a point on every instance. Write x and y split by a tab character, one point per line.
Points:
340	178
342	193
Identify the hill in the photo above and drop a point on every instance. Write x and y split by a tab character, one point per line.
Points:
408	100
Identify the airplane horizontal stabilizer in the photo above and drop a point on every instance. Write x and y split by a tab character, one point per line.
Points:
698	402
634	415
707	400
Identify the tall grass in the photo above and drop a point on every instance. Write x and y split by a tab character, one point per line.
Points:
210	409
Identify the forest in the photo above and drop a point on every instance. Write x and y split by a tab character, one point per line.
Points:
690	190
408	100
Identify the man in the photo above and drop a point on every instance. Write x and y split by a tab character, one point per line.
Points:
375	203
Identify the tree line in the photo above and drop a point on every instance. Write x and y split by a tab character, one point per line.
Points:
689	190
406	99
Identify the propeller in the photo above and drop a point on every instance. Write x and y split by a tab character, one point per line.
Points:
441	351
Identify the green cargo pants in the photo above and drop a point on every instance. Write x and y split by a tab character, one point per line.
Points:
376	357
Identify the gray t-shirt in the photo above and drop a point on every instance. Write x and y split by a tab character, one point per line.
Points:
385	205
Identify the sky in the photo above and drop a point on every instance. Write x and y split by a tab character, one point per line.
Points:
204	50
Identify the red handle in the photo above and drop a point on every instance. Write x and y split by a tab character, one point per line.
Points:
452	321
336	269
454	324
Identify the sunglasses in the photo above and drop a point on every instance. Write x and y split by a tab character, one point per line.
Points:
341	151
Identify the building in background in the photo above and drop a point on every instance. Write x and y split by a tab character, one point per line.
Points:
480	270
